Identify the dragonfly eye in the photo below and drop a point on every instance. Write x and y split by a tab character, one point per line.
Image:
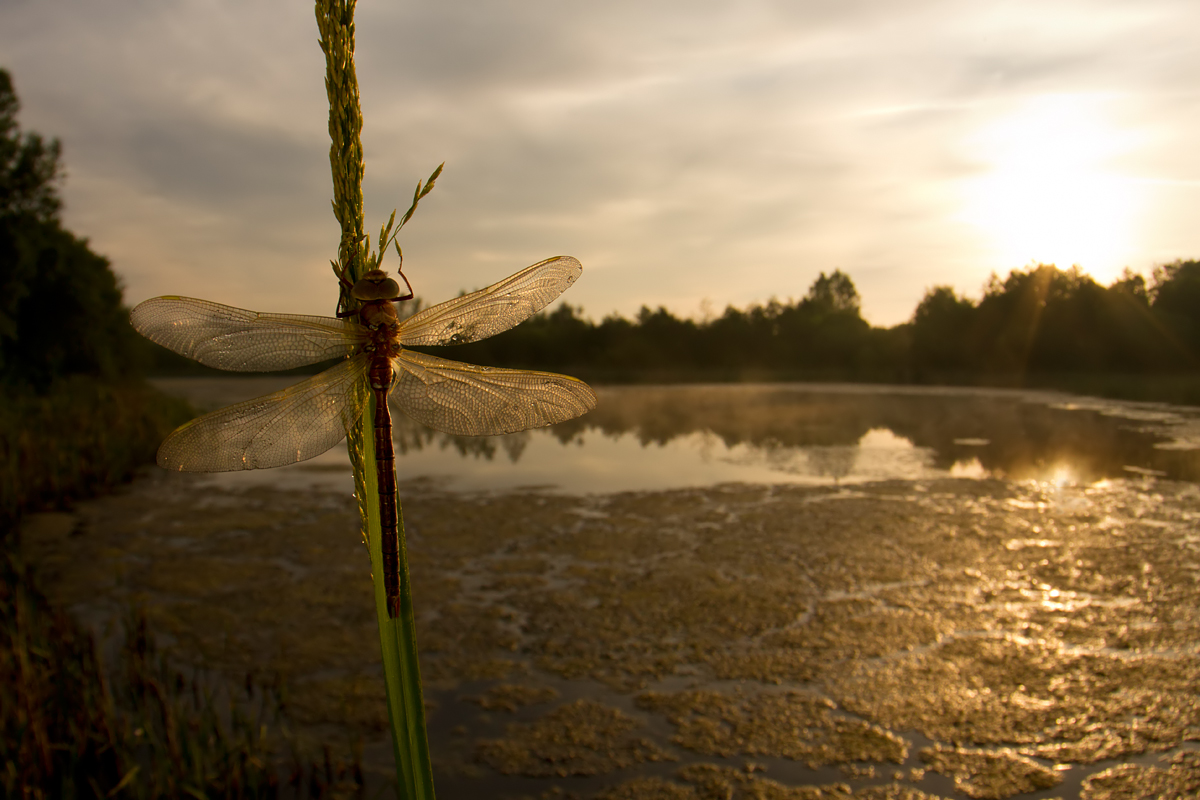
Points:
375	285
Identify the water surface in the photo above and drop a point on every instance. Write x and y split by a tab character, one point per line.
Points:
667	437
910	592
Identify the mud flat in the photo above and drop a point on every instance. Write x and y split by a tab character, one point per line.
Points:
904	639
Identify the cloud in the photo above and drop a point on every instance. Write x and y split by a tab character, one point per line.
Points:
683	151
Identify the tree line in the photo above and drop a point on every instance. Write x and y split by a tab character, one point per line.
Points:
1038	321
1047	320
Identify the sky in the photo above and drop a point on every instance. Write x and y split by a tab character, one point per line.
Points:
692	154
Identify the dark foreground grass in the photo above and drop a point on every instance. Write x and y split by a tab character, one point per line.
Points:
142	729
151	732
77	439
72	726
57	734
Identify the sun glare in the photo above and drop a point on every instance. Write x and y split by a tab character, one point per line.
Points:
1049	195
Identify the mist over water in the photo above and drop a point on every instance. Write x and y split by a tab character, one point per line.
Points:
658	437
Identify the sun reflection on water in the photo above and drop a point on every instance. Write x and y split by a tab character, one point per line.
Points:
1062	476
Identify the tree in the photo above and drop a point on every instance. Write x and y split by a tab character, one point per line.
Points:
826	330
941	331
1176	304
29	166
60	303
833	293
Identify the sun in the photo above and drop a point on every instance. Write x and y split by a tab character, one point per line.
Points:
1049	194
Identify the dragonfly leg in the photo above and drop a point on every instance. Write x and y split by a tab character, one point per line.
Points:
408	296
400	272
342	311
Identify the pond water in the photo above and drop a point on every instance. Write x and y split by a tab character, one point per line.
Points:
666	437
949	593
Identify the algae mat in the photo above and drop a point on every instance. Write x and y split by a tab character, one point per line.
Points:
955	639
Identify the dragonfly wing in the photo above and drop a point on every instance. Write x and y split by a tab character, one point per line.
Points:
468	400
245	341
492	310
293	425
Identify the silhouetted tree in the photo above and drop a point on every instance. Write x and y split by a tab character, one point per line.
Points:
1176	304
826	329
60	303
941	330
833	294
29	165
1133	339
1046	320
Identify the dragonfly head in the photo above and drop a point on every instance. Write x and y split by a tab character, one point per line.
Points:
376	285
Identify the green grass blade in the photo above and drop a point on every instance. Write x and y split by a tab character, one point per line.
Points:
397	637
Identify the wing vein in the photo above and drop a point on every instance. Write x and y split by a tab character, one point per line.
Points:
492	310
292	425
244	341
469	400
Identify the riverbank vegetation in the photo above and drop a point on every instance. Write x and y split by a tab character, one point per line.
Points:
76	439
75	415
70	731
76	418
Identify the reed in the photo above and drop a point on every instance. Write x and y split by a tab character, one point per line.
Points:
76	439
397	635
69	728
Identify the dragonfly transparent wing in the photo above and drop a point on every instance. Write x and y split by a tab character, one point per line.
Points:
492	310
296	424
245	341
468	400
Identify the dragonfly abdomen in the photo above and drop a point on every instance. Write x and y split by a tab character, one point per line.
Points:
380	377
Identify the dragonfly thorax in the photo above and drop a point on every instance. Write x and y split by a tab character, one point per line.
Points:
376	291
375	285
380	318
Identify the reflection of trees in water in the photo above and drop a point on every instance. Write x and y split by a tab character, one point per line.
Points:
1025	438
1029	439
835	461
514	444
832	462
735	413
411	436
408	436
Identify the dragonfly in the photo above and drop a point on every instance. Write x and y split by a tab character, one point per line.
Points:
309	418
